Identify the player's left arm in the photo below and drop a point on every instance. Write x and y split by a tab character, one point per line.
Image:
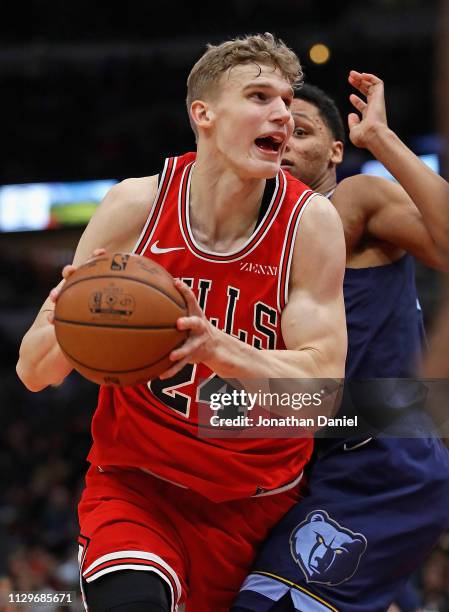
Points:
390	216
313	322
414	215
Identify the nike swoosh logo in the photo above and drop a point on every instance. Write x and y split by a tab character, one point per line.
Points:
158	250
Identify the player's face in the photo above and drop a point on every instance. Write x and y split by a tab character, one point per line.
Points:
252	119
310	152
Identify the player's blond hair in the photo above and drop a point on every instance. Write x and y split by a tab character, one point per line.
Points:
258	49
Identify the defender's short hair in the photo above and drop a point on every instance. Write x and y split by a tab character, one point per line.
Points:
258	49
326	106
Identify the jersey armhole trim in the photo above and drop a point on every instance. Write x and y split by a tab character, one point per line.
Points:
164	180
289	245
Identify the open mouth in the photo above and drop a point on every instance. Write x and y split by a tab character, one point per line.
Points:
269	143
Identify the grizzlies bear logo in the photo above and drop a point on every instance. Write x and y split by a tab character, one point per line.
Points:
326	552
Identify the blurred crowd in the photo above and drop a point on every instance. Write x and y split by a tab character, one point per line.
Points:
44	439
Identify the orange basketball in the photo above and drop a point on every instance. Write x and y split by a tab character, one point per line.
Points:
115	319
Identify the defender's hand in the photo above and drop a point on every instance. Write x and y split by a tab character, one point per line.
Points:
373	117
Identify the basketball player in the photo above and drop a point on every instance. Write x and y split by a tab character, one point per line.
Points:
169	516
375	505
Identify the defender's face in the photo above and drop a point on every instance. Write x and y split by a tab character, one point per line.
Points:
309	152
252	119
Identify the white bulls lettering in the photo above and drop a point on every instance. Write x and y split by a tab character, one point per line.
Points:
263	332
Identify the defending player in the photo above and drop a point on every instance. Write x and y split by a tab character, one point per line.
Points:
375	506
187	510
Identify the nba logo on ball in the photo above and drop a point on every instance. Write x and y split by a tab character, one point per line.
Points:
119	261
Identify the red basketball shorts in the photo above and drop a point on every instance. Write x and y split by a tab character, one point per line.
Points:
130	520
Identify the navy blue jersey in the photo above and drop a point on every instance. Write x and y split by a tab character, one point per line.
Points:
385	342
384	321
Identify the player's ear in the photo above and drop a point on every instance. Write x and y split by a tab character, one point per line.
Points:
201	114
337	152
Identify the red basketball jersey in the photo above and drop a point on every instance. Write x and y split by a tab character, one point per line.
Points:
154	426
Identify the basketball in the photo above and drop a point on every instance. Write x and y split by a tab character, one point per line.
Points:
115	319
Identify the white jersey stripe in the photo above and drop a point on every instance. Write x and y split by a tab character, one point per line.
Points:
136	554
284	255
82	551
153	206
155	203
290	255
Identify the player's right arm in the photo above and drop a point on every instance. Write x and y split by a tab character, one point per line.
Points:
115	226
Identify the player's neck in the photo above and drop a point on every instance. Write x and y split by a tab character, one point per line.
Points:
223	207
325	184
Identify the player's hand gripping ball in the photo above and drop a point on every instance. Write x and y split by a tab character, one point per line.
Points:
115	319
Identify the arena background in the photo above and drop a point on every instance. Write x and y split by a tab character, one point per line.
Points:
96	91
